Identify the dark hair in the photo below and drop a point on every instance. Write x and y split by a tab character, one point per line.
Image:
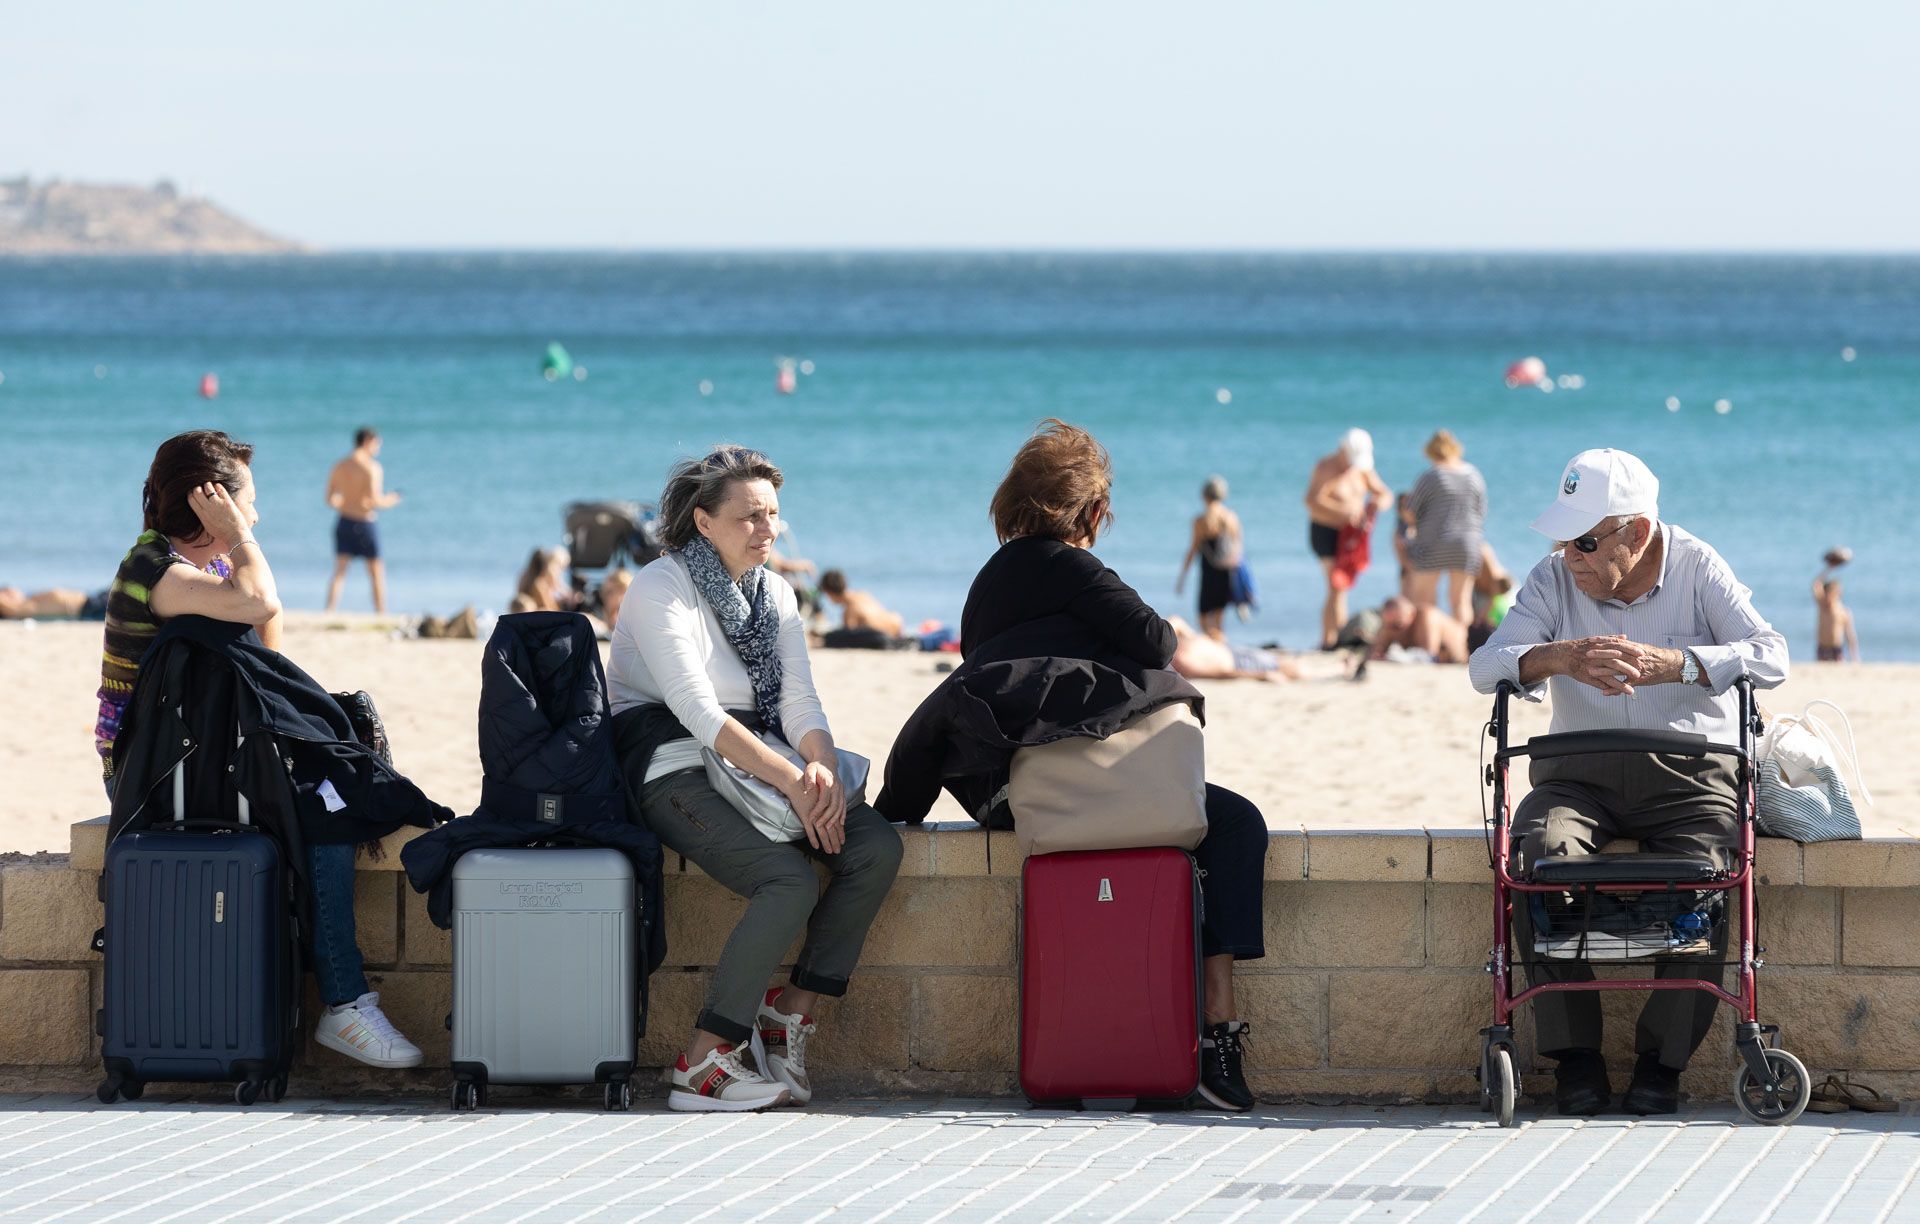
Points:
833	582
364	435
1057	486
183	463
705	483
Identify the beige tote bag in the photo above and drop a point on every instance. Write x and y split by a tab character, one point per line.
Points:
1144	785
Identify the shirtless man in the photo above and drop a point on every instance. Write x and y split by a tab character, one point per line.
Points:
1416	627
1343	491
1835	640
858	609
354	489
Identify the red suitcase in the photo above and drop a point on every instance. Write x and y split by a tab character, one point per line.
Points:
1110	978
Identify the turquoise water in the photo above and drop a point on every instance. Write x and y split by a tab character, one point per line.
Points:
929	370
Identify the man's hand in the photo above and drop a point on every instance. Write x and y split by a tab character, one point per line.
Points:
1615	664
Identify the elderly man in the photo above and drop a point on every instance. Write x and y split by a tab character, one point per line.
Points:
1634	624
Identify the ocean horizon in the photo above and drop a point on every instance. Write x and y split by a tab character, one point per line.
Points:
928	369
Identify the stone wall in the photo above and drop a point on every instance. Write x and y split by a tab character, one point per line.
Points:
1372	989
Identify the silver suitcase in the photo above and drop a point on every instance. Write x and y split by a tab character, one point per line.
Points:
544	958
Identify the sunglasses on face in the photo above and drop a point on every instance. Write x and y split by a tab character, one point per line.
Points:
1591	543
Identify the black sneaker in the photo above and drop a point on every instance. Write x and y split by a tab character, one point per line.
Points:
1580	1087
1221	1082
1655	1088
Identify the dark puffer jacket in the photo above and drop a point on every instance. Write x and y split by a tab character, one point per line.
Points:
547	747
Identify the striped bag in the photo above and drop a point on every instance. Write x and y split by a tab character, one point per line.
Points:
1798	785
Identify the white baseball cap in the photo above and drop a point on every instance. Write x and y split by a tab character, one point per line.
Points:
1599	484
1357	445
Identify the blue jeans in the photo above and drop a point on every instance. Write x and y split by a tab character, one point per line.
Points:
336	955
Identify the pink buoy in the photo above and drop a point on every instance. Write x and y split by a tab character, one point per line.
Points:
1527	372
209	386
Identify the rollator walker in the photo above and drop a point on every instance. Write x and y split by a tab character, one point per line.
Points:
1622	908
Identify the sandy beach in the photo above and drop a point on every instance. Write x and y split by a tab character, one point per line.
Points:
1395	751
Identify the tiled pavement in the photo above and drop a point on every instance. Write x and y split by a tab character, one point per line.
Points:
63	1157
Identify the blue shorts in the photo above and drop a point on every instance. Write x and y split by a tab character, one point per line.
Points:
356	538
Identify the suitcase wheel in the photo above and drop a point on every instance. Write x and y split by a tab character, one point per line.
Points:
277	1088
466	1096
617	1096
246	1092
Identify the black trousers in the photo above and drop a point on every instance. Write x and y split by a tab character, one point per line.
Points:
1671	805
1232	859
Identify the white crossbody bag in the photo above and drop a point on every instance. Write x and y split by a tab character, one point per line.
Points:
765	808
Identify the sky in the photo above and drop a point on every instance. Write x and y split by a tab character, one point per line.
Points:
989	125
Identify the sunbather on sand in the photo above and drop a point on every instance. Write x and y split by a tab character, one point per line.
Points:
1199	657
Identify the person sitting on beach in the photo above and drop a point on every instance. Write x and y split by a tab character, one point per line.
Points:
710	652
56	603
198	556
1343	492
1199	657
613	593
354	491
1046	589
1834	637
544	584
1408	626
858	609
1632	623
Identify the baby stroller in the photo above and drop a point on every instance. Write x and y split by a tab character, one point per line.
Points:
603	536
1620	908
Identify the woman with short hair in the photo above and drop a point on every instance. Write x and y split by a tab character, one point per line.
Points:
1046	583
1448	510
198	556
1217	544
710	653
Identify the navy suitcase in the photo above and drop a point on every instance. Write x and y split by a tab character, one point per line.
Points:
201	958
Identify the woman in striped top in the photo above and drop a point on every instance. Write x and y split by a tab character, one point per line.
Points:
197	557
1448	506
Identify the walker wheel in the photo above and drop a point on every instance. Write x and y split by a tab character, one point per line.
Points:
1784	1101
1501	1087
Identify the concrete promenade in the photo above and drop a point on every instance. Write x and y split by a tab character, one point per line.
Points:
63	1157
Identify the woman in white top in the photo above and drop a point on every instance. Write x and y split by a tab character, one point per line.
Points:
709	652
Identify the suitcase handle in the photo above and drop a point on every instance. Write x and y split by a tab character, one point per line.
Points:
180	789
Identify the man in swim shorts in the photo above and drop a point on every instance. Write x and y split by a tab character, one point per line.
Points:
354	490
1343	490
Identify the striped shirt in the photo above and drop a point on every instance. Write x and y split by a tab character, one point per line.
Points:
1697	605
131	628
1449	507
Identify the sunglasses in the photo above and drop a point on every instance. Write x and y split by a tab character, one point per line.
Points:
1589	543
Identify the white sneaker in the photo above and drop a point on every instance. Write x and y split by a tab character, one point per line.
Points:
361	1030
780	1048
720	1082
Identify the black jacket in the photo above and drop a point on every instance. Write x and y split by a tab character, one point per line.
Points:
246	722
1035	683
547	749
205	683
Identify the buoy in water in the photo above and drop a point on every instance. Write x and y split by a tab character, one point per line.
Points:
1848	354
1527	372
1223	396
209	385
706	386
786	380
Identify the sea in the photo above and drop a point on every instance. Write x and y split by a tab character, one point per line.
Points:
1777	399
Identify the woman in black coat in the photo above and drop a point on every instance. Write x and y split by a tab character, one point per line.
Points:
1048	512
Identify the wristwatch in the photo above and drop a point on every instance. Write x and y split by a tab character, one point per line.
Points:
1689	668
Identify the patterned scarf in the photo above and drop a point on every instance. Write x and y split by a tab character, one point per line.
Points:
747	616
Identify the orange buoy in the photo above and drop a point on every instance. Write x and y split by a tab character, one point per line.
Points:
209	386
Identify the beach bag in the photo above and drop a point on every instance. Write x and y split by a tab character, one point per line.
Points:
765	808
1799	788
1144	785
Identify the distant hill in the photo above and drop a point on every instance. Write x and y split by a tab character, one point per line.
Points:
60	218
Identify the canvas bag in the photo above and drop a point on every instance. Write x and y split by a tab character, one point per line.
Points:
765	808
1799	788
1144	785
